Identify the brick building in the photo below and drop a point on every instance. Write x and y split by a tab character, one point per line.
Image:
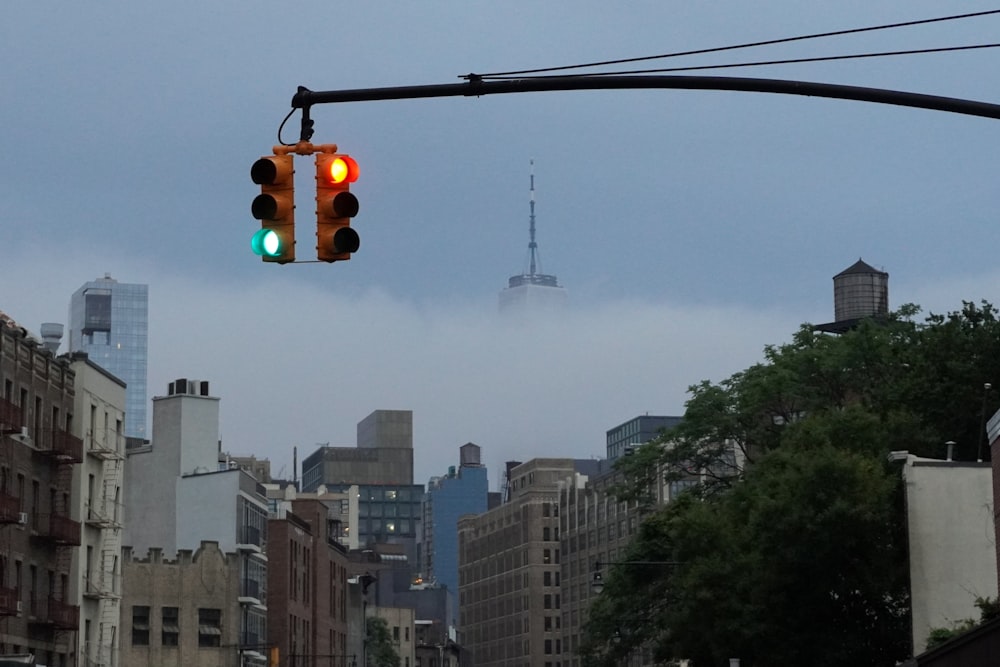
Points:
307	587
39	608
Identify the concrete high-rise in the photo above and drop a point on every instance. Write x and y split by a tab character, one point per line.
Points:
109	321
510	595
381	467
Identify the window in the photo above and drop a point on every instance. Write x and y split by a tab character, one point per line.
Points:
170	628
140	626
209	627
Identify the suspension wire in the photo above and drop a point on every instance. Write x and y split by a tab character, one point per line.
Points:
767	62
769	42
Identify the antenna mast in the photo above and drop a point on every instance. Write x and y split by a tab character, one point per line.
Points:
532	246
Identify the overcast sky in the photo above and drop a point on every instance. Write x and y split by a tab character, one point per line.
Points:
690	229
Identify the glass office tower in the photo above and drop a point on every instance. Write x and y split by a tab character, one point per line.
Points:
109	321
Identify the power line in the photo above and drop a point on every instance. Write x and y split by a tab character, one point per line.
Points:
769	42
759	63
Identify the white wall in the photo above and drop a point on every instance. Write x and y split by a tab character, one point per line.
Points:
952	541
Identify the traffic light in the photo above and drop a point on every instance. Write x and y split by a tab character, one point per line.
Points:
335	206
275	208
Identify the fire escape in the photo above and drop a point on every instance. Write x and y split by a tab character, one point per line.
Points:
104	513
54	534
10	504
63	450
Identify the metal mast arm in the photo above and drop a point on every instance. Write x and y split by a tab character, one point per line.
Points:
476	87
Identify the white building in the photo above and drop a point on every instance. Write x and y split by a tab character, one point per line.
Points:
952	542
180	496
99	406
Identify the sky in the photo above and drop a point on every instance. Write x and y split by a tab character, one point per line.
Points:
690	228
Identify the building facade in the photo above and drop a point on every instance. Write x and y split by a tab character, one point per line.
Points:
178	479
381	467
383	455
596	529
109	321
99	487
39	455
307	587
637	431
510	596
464	490
951	539
400	623
185	612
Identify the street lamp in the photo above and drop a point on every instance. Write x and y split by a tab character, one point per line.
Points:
597	581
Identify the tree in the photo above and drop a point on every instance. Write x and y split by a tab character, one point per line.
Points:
799	563
809	515
380	650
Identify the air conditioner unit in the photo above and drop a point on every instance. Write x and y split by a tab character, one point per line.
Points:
22	518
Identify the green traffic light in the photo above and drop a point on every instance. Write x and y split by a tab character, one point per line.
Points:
266	243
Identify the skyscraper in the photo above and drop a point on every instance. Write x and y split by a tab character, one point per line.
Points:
532	290
109	321
462	491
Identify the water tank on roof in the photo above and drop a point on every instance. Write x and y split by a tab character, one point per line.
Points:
860	291
469	454
52	333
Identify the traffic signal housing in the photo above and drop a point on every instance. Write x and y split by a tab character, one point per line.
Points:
275	208
335	206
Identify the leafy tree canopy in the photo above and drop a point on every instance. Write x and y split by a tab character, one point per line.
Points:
792	551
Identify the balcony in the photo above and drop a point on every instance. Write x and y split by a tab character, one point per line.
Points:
106	444
11	419
61	446
56	613
60	529
251	592
100	586
248	538
10	508
10	603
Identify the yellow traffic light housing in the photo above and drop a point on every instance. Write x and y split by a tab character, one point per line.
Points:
275	208
335	206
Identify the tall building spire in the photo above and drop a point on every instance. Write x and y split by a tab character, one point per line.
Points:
532	246
532	286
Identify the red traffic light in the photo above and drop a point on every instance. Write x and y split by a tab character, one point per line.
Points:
335	206
337	169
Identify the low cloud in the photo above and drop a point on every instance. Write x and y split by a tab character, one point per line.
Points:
297	365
